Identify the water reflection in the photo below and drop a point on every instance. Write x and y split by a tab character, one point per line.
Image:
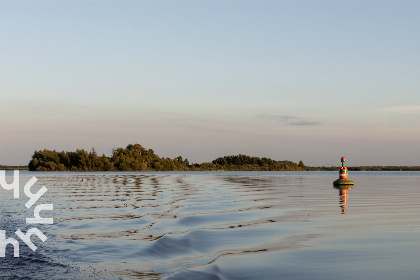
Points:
344	195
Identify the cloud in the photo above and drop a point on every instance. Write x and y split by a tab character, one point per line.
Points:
289	120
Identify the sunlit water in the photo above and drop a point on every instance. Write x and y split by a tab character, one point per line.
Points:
218	225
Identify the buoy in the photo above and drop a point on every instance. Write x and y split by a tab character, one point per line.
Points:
343	173
343	178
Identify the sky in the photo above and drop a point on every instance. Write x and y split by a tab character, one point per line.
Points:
290	80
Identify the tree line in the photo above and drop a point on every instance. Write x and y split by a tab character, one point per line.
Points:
13	167
136	158
245	163
366	168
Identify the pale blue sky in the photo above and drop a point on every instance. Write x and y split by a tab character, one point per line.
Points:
297	80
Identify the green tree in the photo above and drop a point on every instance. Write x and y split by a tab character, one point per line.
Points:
302	165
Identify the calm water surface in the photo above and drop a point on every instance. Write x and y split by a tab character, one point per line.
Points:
219	225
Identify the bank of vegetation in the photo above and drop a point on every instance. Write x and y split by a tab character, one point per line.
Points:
366	168
136	158
13	167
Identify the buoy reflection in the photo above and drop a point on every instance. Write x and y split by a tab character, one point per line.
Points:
344	196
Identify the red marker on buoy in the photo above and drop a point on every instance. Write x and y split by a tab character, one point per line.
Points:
343	178
343	170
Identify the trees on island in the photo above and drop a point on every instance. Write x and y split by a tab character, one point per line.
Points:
136	158
245	163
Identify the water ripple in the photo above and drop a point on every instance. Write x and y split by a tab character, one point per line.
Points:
177	226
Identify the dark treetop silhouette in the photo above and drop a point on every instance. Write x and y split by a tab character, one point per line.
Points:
136	158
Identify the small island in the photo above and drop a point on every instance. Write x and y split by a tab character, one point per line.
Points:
134	157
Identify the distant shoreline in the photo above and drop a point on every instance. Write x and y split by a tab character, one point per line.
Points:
366	168
14	167
135	157
308	168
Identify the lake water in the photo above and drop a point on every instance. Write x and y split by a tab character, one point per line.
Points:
218	225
